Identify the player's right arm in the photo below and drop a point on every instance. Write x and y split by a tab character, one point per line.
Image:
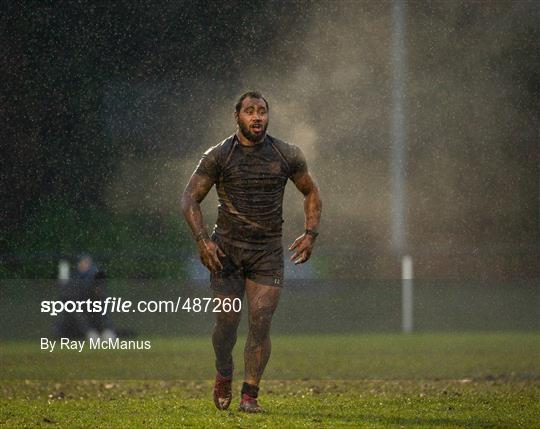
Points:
196	190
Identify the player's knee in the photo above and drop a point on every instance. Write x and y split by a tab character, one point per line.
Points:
228	321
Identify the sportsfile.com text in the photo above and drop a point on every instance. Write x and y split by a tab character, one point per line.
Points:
121	305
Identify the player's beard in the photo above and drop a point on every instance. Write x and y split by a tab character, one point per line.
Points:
255	138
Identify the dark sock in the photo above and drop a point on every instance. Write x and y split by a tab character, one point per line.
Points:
226	370
250	389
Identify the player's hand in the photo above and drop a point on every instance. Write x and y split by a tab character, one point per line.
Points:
303	247
209	253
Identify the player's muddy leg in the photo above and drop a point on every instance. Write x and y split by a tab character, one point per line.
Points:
262	302
224	336
223	339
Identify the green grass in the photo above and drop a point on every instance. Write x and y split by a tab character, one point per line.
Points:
373	381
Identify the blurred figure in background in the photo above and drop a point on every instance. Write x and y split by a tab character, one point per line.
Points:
88	282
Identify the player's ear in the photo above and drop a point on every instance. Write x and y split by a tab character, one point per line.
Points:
236	116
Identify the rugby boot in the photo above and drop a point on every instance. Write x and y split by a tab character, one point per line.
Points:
249	404
222	391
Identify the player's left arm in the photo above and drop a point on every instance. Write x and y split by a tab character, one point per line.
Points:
303	245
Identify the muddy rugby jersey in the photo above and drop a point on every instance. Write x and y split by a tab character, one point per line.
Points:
250	183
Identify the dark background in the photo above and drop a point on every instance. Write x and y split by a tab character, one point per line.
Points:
106	109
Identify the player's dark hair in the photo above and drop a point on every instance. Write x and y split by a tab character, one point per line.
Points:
250	94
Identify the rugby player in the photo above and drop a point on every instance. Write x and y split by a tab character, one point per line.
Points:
244	253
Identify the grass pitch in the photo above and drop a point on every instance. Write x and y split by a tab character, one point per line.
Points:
372	381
